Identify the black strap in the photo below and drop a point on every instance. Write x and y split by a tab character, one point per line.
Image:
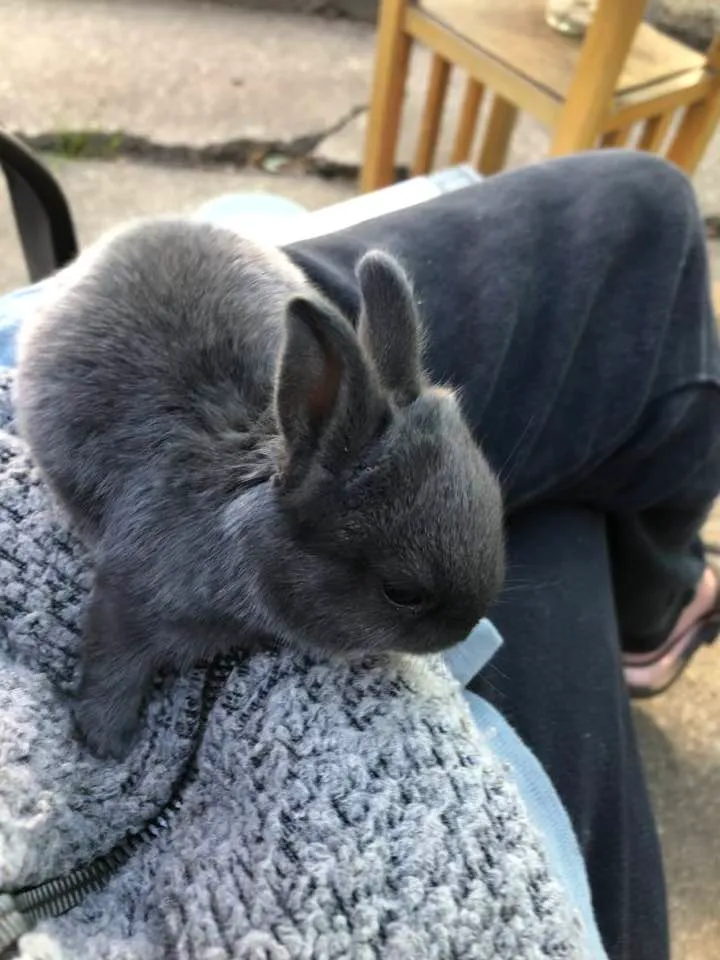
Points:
22	909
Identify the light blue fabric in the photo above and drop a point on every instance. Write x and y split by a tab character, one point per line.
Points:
464	661
546	812
14	307
468	658
232	209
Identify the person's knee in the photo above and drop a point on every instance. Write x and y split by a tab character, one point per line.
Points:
614	198
641	188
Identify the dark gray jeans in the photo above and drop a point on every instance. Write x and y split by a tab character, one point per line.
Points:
570	303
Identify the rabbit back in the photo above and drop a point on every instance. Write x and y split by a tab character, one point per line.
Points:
156	351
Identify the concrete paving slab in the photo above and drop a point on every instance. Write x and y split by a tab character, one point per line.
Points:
176	71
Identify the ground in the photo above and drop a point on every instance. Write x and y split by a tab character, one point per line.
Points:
177	96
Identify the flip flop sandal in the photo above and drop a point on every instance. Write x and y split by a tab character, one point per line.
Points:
648	674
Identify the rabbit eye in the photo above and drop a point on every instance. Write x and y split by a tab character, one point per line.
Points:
409	596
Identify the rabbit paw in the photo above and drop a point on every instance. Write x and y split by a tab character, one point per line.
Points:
106	729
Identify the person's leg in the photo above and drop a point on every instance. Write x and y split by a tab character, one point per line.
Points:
570	303
558	681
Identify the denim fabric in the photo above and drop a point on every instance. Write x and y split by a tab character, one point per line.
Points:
557	681
14	307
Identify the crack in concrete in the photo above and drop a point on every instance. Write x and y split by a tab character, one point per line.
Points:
96	144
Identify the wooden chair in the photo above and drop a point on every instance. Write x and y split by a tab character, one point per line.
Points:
624	81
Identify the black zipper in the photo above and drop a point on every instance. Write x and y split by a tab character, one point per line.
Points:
22	909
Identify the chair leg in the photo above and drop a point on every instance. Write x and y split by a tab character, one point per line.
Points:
392	59
467	124
497	136
655	131
432	115
616	138
603	54
700	120
696	130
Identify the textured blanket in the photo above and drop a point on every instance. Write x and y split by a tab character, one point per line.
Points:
334	811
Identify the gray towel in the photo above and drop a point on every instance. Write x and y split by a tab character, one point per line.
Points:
337	811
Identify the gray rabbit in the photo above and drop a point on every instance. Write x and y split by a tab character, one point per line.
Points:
246	468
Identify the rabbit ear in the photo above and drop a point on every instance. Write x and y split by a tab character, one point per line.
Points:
389	327
326	397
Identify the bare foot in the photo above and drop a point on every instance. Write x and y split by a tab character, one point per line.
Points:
702	603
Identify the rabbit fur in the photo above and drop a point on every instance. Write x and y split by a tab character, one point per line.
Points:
246	468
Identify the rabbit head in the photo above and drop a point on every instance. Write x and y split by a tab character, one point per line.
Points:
390	520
